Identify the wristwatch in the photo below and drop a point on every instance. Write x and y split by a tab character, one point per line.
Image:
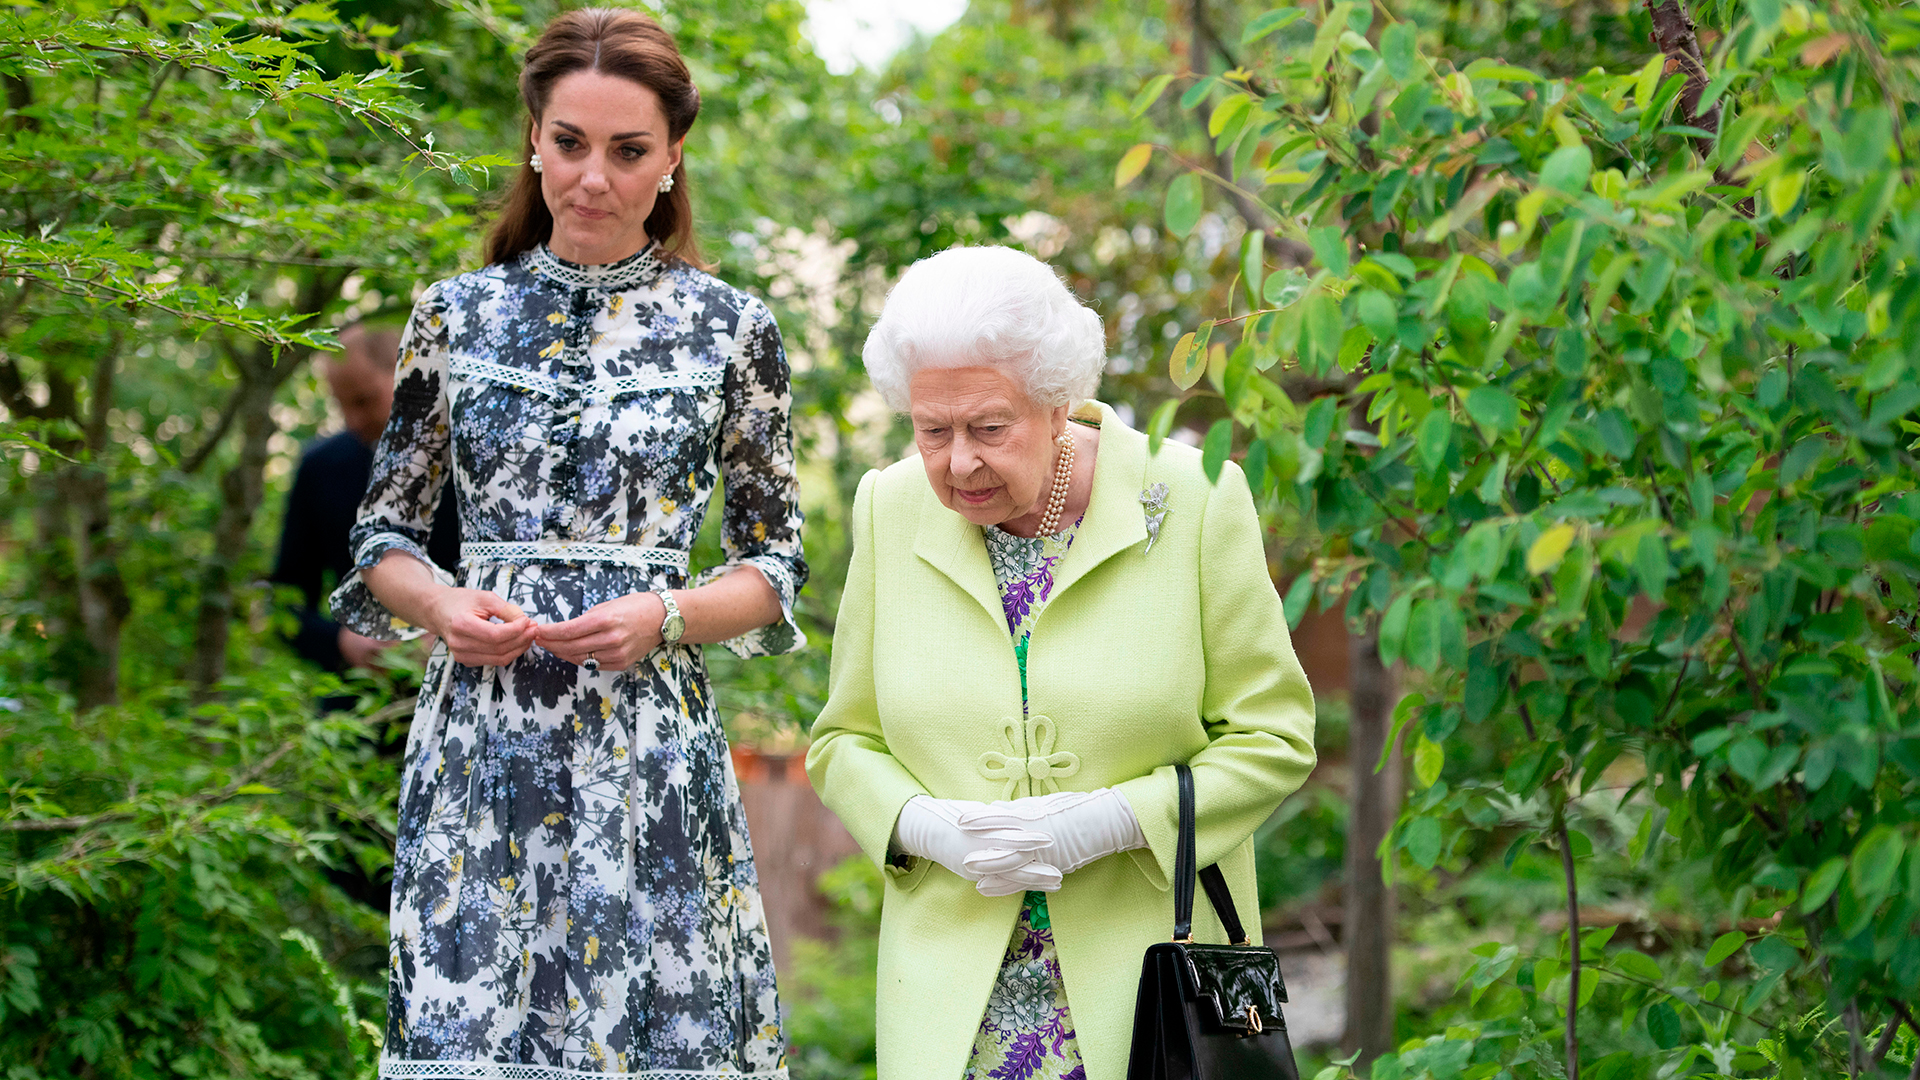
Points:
675	624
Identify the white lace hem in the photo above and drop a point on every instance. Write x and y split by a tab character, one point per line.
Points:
391	1069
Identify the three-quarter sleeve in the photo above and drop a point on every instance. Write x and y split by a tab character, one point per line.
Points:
410	467
1257	707
760	524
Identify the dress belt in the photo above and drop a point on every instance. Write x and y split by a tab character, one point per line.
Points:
571	551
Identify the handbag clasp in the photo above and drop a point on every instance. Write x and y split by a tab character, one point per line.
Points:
1253	1020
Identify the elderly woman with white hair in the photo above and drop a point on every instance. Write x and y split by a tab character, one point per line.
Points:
1041	620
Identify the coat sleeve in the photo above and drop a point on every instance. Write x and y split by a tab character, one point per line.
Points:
1257	708
760	523
410	467
849	763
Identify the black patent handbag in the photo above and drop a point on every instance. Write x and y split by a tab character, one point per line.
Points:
1208	1012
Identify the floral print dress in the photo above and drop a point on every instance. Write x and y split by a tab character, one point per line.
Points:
573	888
1027	1032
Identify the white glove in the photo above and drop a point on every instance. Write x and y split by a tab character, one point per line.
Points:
1084	825
999	860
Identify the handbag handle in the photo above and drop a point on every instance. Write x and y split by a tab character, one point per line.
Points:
1185	856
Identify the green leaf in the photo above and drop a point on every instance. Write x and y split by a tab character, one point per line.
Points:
1663	1023
256	789
1327	38
1330	247
1377	312
1485	69
1187	362
1230	109
1638	964
1132	164
1783	191
1262	25
1184	203
1398	48
1161	422
1775	953
1253	264
1723	946
1875	860
1549	549
1651	563
1322	332
1214	450
1821	885
1429	758
1433	438
1423	635
1393	628
1149	94
1422	840
1298	599
1566	169
1648	79
1494	408
1284	289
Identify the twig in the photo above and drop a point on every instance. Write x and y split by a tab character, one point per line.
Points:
1746	667
227	412
1573	899
1573	947
82	821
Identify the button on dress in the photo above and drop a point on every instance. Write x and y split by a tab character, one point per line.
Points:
574	891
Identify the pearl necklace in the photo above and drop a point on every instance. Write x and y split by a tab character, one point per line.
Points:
1062	479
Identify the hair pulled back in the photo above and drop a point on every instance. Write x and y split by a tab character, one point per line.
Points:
626	44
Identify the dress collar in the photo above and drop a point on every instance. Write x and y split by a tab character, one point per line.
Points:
639	268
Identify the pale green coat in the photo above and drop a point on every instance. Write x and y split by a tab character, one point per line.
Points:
1140	660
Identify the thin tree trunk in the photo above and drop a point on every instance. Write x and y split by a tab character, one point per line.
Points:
104	603
243	485
242	488
1374	805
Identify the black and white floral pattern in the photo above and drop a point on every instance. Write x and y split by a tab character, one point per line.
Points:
573	888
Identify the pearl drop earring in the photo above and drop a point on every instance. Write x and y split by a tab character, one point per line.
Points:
666	183
535	162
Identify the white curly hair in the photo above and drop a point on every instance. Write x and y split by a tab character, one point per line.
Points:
992	307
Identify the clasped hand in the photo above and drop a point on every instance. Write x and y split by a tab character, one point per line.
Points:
616	633
1010	847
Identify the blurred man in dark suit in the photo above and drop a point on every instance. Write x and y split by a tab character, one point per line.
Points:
325	499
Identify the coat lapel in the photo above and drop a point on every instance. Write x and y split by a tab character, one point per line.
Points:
1115	520
955	546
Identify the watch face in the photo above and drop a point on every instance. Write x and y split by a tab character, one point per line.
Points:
673	628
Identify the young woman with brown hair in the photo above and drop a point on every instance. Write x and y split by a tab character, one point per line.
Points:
573	888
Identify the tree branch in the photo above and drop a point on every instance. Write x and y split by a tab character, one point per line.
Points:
220	428
1573	946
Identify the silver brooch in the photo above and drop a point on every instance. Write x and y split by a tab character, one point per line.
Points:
1154	499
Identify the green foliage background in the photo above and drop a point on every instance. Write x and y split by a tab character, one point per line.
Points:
1588	389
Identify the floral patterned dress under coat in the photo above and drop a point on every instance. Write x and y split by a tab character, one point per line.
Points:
573	888
1027	1032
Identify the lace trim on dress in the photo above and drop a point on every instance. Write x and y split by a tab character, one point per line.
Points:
631	272
606	389
491	1070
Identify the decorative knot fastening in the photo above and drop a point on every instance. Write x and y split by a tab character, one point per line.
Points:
1041	766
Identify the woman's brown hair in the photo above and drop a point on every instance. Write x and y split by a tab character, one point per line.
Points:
626	44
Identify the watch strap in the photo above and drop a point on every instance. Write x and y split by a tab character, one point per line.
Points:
674	624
